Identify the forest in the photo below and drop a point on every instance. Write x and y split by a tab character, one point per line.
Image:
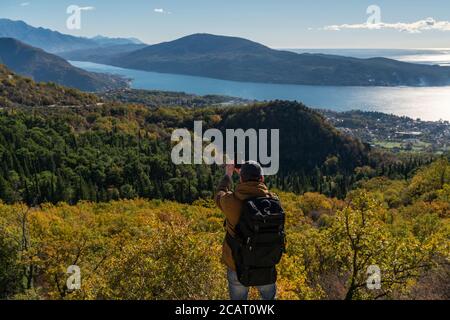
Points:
160	249
89	182
103	153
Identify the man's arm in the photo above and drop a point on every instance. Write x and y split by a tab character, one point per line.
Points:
225	185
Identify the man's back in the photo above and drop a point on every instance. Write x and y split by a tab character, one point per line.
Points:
231	203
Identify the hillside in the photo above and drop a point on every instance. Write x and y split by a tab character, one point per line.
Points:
45	67
103	153
135	139
135	249
89	142
17	91
53	41
239	59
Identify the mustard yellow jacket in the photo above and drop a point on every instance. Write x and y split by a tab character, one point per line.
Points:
231	204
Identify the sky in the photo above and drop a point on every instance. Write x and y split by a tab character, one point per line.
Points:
275	23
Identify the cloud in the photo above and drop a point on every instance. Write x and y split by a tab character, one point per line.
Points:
87	8
24	4
161	10
414	27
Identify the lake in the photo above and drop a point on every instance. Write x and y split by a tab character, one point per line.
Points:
426	103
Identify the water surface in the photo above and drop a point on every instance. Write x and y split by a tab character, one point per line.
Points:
426	103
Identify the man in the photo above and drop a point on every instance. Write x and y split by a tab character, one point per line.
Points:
231	203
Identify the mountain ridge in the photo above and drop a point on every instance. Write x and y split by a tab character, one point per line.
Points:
233	58
45	67
54	41
238	59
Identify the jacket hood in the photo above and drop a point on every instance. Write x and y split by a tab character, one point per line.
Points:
251	189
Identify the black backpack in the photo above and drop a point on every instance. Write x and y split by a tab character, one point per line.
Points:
260	241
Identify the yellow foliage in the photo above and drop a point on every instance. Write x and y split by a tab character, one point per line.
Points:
142	249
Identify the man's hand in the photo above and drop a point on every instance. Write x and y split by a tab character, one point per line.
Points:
229	170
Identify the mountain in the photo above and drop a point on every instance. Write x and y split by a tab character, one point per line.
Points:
48	40
229	58
105	41
102	55
53	41
238	59
42	66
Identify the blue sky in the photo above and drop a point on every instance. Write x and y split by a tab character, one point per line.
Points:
279	24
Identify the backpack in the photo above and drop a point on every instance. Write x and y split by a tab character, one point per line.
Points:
260	241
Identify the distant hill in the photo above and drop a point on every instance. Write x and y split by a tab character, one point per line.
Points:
53	41
99	55
42	66
239	59
105	41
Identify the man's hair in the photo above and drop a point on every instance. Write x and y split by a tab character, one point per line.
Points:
251	171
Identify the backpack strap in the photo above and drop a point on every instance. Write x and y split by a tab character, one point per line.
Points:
225	224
